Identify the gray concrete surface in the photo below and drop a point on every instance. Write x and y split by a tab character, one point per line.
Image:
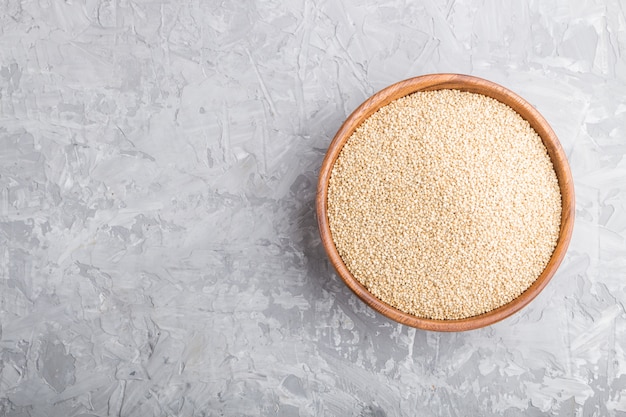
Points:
159	253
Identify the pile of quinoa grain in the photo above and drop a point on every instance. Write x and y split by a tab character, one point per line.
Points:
444	204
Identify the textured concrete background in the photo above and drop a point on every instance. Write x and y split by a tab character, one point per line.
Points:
159	253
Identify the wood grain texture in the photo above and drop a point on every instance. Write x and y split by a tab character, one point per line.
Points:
474	85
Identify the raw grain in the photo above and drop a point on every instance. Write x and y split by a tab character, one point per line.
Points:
444	204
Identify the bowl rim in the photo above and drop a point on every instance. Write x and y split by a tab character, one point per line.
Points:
464	83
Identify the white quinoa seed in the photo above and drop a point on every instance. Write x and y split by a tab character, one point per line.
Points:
444	204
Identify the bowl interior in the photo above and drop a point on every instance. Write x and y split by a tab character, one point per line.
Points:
473	85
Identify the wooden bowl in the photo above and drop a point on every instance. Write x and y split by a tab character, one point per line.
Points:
474	85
